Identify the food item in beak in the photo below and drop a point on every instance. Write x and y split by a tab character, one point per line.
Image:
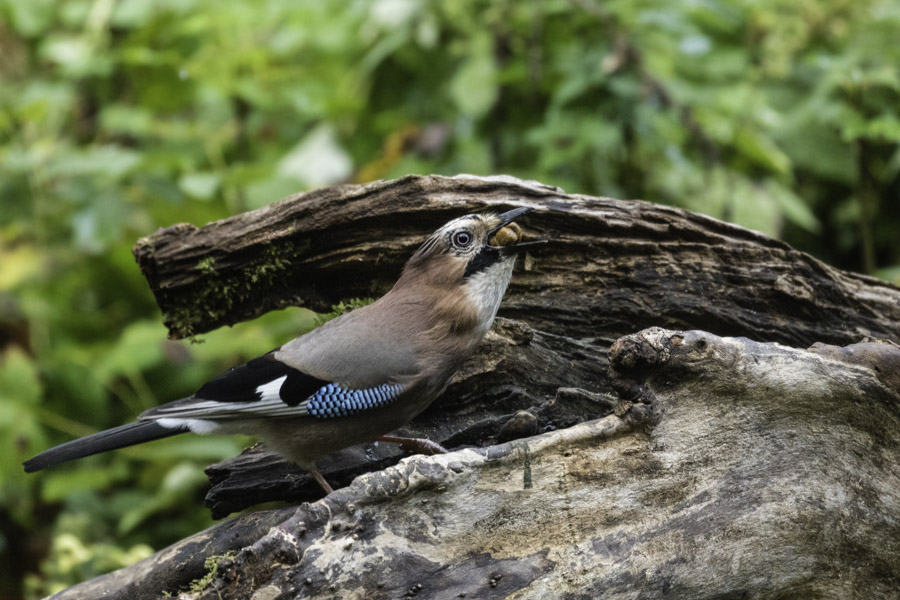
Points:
506	236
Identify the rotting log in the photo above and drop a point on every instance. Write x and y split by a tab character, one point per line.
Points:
734	469
612	267
543	424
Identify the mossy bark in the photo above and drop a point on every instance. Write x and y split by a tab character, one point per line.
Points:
612	267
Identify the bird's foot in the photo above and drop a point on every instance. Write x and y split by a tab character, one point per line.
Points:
418	445
320	480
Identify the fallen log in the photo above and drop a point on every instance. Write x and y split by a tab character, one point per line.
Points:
734	469
680	463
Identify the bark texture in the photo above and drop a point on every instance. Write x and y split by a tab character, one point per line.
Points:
681	463
613	267
737	469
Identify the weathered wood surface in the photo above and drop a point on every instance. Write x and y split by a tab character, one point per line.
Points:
696	467
612	267
735	469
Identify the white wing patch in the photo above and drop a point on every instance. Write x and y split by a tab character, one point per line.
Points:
271	390
195	425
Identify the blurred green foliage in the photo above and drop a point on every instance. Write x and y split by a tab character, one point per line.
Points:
121	116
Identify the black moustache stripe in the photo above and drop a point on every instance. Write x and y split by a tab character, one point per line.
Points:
486	257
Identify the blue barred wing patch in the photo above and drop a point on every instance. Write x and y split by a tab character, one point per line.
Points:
334	401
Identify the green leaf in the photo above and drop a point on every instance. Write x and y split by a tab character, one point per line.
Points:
19	382
752	208
269	190
19	265
108	161
318	159
57	485
30	18
761	150
885	128
75	55
816	147
99	224
793	207
132	13
139	348
474	86
130	120
73	52
20	395
202	186
182	480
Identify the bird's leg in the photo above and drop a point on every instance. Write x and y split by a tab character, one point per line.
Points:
419	445
319	479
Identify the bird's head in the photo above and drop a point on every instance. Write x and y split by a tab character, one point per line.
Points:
469	246
471	257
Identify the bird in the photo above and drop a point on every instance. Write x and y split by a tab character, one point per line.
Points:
359	376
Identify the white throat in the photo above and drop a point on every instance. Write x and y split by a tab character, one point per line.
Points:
486	289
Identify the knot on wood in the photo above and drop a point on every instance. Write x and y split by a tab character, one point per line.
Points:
646	349
632	358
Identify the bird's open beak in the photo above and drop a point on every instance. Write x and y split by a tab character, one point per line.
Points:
507	235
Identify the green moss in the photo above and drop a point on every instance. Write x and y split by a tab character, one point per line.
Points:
211	564
206	265
343	307
214	297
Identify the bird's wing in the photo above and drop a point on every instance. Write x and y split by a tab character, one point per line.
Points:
367	347
263	387
352	363
266	388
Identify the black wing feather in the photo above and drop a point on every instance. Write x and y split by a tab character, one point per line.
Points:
240	383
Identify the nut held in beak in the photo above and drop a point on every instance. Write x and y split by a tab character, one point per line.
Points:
506	236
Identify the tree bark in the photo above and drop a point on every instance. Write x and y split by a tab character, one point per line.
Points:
681	463
612	267
736	469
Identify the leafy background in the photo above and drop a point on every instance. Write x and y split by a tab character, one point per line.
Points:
121	116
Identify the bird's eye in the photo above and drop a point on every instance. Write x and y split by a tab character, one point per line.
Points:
462	239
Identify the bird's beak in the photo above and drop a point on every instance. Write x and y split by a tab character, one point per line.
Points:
508	217
506	235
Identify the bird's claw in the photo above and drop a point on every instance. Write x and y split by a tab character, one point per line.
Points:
416	445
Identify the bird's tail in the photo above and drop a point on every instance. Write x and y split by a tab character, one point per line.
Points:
111	439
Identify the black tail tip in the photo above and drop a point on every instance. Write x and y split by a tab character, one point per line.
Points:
37	463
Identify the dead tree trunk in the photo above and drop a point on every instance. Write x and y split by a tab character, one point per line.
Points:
680	463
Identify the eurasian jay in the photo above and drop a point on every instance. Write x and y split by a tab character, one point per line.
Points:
356	377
